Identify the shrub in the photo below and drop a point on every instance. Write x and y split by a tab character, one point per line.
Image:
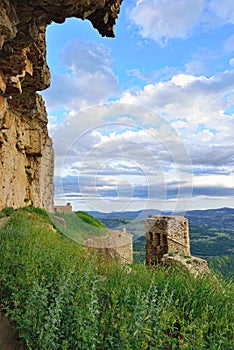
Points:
171	253
7	211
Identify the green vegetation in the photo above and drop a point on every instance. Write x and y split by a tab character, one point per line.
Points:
6	212
79	226
89	219
171	253
215	244
58	296
223	266
29	175
5	136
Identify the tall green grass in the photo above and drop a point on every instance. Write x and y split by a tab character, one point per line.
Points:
59	296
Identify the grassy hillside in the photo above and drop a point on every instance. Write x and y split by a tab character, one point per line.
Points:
58	296
79	226
89	219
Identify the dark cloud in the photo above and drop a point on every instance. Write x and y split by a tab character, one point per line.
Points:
213	156
213	191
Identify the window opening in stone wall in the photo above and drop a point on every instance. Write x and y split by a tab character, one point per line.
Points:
164	240
158	239
151	236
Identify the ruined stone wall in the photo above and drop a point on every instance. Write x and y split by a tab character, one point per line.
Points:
26	153
116	244
166	234
167	242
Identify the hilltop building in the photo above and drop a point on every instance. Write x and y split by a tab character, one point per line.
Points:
63	209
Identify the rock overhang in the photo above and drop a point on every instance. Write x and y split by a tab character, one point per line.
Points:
26	152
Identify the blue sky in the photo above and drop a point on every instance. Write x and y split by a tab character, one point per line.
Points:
145	120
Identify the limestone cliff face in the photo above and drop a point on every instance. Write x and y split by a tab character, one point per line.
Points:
26	152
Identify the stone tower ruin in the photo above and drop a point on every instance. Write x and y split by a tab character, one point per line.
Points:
166	234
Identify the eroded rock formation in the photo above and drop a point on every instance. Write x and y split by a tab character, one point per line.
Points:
26	153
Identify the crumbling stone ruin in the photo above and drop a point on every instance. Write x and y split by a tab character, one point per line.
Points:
26	152
167	240
116	244
166	234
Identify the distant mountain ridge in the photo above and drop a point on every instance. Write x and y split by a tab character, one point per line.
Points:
145	213
125	214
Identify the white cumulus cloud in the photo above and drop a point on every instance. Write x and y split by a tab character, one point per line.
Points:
164	19
88	78
195	107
